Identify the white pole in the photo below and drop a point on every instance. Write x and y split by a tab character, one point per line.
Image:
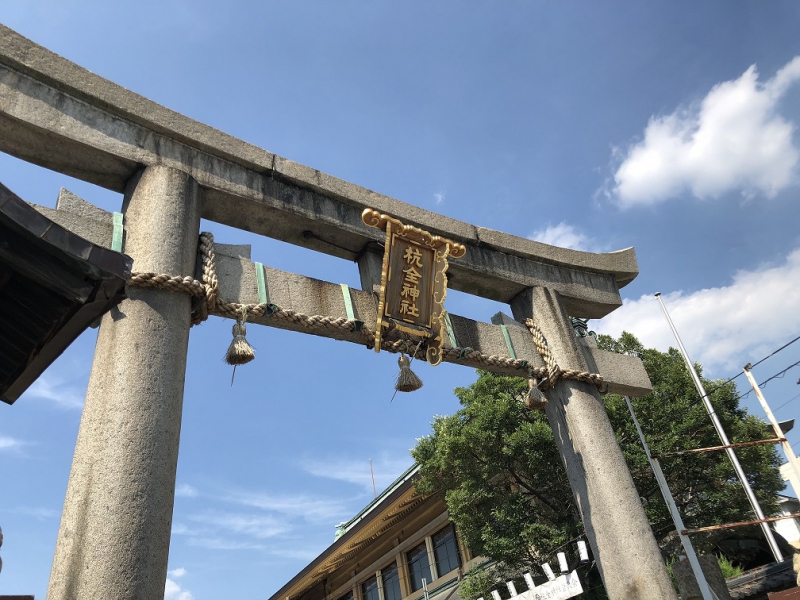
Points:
722	436
787	447
688	548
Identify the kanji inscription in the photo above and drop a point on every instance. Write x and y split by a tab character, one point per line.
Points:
410	282
413	282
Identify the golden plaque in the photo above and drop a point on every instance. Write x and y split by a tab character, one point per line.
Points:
413	281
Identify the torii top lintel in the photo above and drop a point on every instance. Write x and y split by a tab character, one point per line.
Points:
58	115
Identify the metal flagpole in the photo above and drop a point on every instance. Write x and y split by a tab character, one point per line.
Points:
787	447
722	436
688	548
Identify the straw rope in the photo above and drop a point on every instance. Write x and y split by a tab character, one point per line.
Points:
207	301
554	372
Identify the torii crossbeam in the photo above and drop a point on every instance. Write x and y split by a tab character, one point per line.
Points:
114	535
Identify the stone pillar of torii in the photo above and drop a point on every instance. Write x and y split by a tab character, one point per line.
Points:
114	535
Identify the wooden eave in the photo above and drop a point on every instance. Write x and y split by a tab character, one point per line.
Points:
53	286
375	524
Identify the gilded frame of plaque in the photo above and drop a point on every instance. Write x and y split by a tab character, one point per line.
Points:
413	281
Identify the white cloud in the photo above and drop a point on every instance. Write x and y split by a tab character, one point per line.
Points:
438	197
173	591
316	510
733	140
36	512
9	443
216	543
177	573
182	529
257	526
723	327
563	235
222	530
301	554
53	388
274	519
386	469
185	490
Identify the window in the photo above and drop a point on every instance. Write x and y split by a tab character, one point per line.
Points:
418	566
445	550
347	596
369	589
391	583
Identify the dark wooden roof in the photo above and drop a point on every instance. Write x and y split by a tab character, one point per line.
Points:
757	583
53	285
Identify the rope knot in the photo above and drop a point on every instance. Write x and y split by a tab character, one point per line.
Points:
552	371
206	300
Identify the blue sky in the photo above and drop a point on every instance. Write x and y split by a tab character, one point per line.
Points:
668	126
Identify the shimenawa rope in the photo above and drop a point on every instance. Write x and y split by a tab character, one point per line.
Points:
209	302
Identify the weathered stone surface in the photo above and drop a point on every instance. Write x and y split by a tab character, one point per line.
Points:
114	536
627	372
622	264
233	250
69	202
687	583
370	266
115	528
76	214
616	526
501	276
58	115
238	283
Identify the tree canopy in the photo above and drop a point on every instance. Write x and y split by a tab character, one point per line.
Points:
496	465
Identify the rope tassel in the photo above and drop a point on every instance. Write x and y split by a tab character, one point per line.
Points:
407	380
240	352
207	301
535	399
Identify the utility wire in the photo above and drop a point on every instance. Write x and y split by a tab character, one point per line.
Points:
777	375
781	374
787	402
699	399
714	389
727	381
776	351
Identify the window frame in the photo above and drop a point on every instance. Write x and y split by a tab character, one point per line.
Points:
449	528
399	554
422	547
397	574
362	591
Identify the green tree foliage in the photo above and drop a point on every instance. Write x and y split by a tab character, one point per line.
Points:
704	486
496	465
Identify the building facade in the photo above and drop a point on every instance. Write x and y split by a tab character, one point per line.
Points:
402	546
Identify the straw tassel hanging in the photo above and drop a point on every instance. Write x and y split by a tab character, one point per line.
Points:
407	380
240	352
535	399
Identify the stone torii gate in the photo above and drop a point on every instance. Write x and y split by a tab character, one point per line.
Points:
114	535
